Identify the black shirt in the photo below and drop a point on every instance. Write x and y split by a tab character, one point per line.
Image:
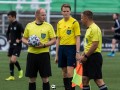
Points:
14	31
117	26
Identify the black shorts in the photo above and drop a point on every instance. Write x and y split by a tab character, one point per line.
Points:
117	37
66	56
14	50
38	62
92	68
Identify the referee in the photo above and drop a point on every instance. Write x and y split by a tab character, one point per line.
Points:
38	58
92	59
67	45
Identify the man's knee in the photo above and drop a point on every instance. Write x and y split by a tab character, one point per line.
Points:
85	81
99	82
32	80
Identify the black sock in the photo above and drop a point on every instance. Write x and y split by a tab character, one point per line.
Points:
11	66
17	65
113	52
103	87
46	86
66	83
32	86
86	87
70	83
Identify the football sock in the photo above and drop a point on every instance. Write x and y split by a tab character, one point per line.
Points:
17	65
11	66
70	83
103	87
66	83
46	86
32	86
86	87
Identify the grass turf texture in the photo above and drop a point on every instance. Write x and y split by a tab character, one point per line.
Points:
111	74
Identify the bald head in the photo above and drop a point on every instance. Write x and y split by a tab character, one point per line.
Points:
40	15
39	11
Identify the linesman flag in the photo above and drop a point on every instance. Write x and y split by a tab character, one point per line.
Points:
77	76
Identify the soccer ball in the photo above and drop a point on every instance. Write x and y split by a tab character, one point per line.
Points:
53	86
53	53
33	40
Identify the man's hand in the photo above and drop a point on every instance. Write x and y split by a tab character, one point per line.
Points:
56	59
112	29
40	45
9	41
18	41
83	59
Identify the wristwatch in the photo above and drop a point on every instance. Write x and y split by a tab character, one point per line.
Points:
86	56
44	46
77	51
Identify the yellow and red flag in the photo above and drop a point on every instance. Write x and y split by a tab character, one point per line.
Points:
77	76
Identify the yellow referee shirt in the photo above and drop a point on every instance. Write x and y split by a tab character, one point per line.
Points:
67	30
93	33
44	32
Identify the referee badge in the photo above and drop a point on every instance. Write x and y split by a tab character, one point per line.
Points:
68	32
43	35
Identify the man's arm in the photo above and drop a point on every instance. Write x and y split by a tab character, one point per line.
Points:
91	51
25	40
57	46
77	43
51	42
77	47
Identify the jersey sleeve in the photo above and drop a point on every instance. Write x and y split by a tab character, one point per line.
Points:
58	34
51	32
7	33
26	33
77	28
21	28
95	34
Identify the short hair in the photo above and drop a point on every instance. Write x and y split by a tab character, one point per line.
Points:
88	13
117	14
66	5
12	13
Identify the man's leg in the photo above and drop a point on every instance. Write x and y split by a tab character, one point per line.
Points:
14	60
85	81
32	84
46	85
113	45
65	78
70	71
113	48
11	67
100	83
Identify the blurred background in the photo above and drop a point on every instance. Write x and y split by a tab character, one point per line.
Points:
102	9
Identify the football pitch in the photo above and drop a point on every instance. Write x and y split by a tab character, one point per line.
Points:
111	74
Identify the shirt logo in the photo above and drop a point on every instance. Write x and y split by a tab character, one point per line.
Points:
15	28
68	32
43	35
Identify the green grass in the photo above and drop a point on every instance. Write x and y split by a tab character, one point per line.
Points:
111	74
